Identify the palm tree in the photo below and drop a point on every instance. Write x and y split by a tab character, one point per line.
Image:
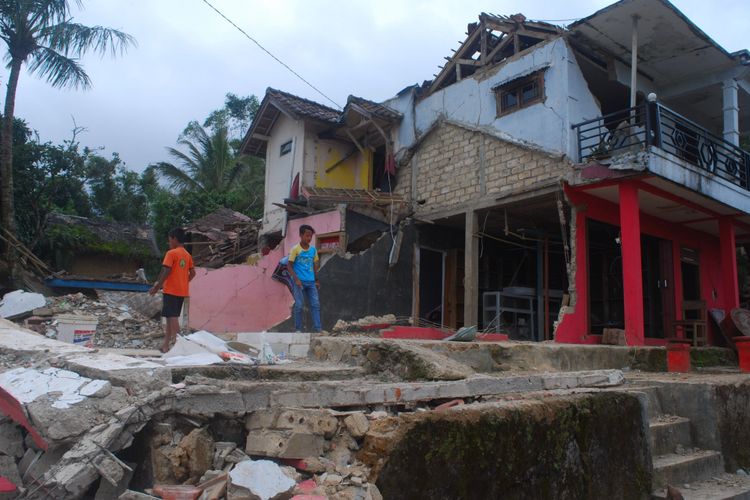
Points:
42	34
210	163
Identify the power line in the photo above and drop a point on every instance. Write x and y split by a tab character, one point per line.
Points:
316	89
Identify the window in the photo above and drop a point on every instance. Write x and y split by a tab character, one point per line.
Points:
285	148
520	93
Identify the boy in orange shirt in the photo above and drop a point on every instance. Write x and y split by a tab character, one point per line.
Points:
176	273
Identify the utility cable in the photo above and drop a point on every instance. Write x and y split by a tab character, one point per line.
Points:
316	89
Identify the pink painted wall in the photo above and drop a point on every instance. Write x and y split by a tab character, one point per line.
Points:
243	297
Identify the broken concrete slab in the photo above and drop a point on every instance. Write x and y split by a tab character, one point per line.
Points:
238	397
17	340
395	359
284	444
28	384
19	302
487	357
136	374
262	478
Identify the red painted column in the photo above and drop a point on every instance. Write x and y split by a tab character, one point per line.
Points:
728	252
632	274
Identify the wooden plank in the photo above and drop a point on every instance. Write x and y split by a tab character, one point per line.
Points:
500	46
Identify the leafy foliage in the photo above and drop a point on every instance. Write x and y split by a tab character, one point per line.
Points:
170	210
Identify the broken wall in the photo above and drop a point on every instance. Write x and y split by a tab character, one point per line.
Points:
349	168
471	101
456	166
545	449
363	284
244	297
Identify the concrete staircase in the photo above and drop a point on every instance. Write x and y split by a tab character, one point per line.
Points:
697	473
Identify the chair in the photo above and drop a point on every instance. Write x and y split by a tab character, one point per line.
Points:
694	322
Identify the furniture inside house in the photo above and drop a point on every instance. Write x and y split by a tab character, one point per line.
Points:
694	322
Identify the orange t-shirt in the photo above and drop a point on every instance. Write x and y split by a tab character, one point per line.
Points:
180	261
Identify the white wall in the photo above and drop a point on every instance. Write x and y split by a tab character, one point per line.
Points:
546	124
280	170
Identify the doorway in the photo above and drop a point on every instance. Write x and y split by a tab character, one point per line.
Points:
431	285
606	302
658	288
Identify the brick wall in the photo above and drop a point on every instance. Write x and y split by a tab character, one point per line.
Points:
455	167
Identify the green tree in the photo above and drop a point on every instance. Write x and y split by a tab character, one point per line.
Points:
170	210
210	163
48	178
237	115
42	34
117	193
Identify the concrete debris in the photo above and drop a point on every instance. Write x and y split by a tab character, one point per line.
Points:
262	478
11	439
363	323
203	348
119	325
65	388
357	424
19	302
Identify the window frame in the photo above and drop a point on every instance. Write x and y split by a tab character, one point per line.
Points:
515	88
289	143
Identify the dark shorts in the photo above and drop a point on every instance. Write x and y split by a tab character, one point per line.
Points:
171	306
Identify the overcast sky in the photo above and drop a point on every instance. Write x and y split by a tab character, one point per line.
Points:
188	58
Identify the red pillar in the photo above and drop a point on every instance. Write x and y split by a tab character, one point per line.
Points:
632	274
731	290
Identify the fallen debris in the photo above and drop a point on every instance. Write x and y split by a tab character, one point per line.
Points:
19	302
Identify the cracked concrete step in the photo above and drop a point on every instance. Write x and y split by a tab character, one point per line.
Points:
668	431
652	402
719	487
688	468
308	370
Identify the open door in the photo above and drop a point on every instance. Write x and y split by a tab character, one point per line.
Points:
431	285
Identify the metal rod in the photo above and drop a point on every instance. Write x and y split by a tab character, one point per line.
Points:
634	61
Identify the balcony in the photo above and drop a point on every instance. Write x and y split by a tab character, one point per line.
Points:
672	140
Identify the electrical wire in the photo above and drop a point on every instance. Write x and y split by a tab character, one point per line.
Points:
316	89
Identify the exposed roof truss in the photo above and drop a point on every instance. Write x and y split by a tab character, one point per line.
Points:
490	41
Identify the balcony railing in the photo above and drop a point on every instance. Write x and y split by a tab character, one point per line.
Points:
651	124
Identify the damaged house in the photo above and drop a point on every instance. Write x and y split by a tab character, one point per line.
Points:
546	181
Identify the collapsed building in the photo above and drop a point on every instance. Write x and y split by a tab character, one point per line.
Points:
543	183
547	181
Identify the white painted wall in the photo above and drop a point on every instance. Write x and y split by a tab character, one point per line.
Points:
280	170
546	124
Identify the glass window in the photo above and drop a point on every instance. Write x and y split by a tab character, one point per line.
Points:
520	93
285	148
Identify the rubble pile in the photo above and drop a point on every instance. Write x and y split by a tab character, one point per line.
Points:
274	453
119	325
371	323
222	237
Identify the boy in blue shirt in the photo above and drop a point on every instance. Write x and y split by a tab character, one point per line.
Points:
303	268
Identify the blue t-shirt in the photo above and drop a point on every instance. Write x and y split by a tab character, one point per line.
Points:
303	262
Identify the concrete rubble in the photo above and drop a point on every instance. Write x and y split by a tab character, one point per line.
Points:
78	422
125	319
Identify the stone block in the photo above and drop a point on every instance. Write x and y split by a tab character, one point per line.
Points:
319	422
357	424
613	336
284	444
11	439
